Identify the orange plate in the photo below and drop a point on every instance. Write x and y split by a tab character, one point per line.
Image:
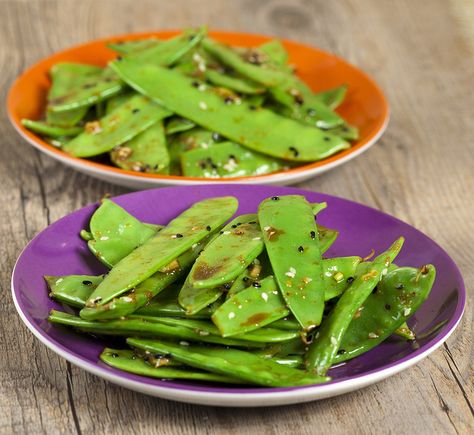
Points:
365	106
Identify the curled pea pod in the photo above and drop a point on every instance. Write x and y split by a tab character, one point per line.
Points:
400	293
50	130
69	77
128	361
287	139
143	293
122	124
227	160
231	362
190	227
327	341
100	87
262	304
146	152
137	327
114	233
263	335
290	237
73	289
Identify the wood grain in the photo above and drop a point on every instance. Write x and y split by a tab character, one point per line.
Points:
420	52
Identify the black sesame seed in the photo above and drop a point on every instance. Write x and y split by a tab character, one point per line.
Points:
216	136
326	138
311	112
245	278
114	355
221	232
275	198
228	100
298	100
202	164
135	110
313	234
399	286
294	151
387	307
350	280
86	282
252	107
252	222
227	286
341	352
300	249
208	228
119	58
234	226
374	290
214	166
195	84
232	157
256	284
179	236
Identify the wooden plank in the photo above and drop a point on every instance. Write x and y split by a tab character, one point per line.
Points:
421	171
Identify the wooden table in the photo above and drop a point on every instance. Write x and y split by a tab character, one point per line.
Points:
421	171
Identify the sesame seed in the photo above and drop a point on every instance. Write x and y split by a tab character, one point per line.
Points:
184	343
300	249
208	228
373	335
231	315
85	282
202	105
333	340
275	198
313	234
264	296
104	238
406	311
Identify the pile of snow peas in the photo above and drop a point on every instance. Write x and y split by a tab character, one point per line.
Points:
192	106
252	299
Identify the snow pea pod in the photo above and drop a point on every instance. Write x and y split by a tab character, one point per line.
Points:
115	233
146	152
263	335
129	119
128	361
69	77
190	227
332	97
328	339
137	327
400	293
265	75
72	289
168	52
290	237
236	84
227	160
48	129
127	47
95	90
178	124
339	272
286	138
143	293
232	362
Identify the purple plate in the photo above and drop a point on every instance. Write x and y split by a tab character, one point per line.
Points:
58	250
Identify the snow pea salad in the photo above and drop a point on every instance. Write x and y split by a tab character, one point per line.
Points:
246	300
192	106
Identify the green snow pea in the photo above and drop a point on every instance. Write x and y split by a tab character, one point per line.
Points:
72	289
332	97
67	78
98	88
290	237
136	327
262	304
48	129
227	160
128	361
275	51
114	233
236	84
400	293
327	341
232	362
127	47
143	293
177	124
129	119
250	309
227	255
260	267
146	152
263	335
261	74
190	227
261	130
168	52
